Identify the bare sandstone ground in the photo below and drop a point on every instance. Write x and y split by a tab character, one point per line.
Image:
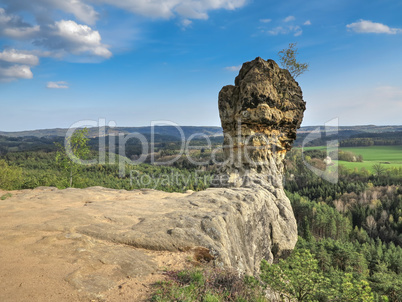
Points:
100	244
43	258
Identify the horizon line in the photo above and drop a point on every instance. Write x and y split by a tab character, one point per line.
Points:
210	126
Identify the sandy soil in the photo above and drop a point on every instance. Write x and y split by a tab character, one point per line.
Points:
44	258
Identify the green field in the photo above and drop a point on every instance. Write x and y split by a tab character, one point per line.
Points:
378	153
389	156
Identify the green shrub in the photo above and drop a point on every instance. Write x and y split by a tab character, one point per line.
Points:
9	176
299	278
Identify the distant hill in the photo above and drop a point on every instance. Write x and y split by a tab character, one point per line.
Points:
147	131
355	129
169	137
351	135
347	135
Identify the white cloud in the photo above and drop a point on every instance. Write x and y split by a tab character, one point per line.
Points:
57	85
308	22
15	72
4	18
284	27
72	32
277	30
189	10
289	19
186	22
21	33
265	20
193	9
75	38
13	26
280	30
20	57
43	9
16	64
298	31
233	68
83	12
366	26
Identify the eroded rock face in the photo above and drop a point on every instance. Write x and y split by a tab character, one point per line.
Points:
260	116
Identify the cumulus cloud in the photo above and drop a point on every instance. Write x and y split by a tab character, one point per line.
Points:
66	27
75	38
366	26
57	85
55	39
83	12
233	68
82	38
20	57
43	10
14	27
265	20
192	9
21	33
15	72
308	22
15	64
289	19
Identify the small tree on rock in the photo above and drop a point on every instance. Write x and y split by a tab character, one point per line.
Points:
288	60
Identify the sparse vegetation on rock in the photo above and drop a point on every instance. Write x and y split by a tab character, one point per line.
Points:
288	60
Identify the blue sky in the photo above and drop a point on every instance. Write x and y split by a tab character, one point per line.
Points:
137	61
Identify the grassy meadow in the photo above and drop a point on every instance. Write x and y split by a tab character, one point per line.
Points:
389	156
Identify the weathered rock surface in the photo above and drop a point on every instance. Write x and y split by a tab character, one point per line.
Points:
86	242
260	115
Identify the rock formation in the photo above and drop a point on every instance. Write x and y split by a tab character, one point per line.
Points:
260	116
97	239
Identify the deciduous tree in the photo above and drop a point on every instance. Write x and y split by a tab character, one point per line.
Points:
75	149
298	278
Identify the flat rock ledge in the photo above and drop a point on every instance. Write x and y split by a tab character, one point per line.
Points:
98	243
